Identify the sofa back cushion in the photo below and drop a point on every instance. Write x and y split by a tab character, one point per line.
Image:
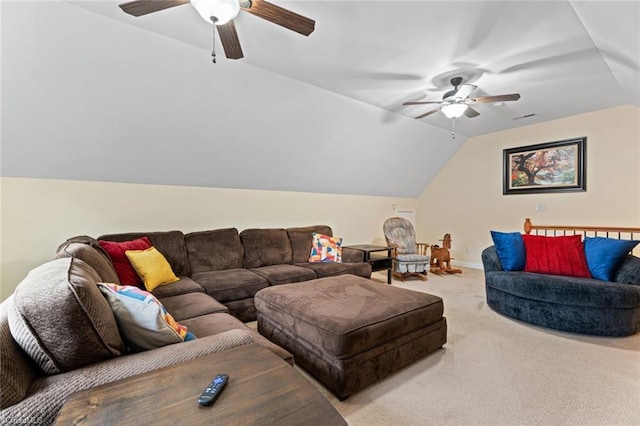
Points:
301	240
60	318
170	244
214	250
265	247
16	368
91	256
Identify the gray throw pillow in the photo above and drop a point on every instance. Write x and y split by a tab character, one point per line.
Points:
60	318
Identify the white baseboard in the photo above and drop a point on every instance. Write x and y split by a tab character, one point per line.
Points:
471	265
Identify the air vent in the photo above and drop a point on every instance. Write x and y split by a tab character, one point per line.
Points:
524	116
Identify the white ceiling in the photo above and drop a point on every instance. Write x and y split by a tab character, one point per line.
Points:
563	57
91	93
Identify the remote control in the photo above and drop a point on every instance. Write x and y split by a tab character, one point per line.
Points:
213	390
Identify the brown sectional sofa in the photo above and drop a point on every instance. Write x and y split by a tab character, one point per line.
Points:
232	267
220	271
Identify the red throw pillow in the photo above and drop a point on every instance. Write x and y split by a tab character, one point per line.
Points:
555	255
121	263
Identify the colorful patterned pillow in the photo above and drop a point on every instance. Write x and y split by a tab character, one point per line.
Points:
143	322
326	249
152	267
116	251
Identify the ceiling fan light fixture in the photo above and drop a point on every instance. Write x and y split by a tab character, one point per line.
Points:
454	110
222	10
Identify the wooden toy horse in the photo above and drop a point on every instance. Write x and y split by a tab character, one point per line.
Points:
441	258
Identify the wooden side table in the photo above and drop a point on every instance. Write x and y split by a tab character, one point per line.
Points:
262	389
377	262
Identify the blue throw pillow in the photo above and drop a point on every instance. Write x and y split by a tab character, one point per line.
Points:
604	255
510	248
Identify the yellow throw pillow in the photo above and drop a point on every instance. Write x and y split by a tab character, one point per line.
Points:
153	268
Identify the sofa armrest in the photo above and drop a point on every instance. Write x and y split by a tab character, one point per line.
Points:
629	271
490	259
47	394
350	255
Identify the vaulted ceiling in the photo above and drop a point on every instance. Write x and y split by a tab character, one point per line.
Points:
91	93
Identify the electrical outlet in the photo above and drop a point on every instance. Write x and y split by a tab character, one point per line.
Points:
541	207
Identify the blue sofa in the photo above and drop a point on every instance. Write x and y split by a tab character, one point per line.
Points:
577	305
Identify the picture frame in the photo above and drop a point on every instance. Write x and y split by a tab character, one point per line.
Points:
547	167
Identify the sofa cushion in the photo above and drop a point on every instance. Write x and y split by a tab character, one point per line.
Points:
604	255
562	255
143	321
127	275
243	309
324	269
301	240
213	324
285	274
183	286
214	250
191	305
231	284
152	267
60	318
170	244
92	254
265	247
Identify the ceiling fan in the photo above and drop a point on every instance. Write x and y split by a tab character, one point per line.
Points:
221	14
457	102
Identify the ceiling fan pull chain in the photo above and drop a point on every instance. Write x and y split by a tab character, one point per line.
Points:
213	51
453	128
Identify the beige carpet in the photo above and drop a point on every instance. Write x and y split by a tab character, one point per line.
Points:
498	371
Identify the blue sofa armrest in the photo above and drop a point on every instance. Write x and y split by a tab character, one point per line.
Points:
629	271
490	259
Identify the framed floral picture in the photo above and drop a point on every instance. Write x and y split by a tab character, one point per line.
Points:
546	167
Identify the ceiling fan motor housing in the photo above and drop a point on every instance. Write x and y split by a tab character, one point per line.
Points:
449	95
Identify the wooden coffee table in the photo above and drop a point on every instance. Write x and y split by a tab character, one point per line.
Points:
262	389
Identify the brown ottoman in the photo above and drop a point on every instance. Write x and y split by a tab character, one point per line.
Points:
348	331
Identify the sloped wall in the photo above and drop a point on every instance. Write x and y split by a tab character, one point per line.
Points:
39	214
466	200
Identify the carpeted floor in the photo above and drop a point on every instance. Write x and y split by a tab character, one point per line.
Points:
498	371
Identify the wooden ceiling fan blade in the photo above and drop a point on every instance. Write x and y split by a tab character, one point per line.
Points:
470	112
497	98
421	103
230	40
429	113
280	16
144	7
